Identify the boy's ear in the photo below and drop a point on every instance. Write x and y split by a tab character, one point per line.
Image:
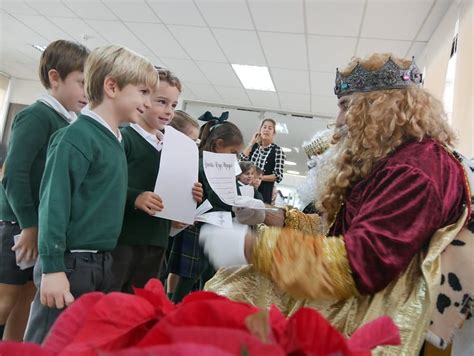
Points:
110	87
54	78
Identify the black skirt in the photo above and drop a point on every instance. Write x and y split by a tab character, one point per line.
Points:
266	188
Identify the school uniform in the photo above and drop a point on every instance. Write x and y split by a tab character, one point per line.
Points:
23	169
144	238
81	209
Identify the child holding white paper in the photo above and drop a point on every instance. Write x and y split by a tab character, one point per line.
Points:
246	178
189	126
187	258
84	186
144	237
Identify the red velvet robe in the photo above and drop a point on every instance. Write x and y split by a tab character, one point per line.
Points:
391	214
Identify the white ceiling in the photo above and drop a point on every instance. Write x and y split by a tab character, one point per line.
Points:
301	41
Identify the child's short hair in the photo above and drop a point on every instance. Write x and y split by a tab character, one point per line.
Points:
182	121
63	56
168	77
119	63
246	166
258	170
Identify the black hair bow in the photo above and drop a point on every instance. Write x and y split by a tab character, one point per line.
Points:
207	116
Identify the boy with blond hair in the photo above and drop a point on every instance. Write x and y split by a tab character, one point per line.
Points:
84	186
143	241
61	73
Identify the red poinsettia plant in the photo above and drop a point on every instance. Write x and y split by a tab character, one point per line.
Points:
147	323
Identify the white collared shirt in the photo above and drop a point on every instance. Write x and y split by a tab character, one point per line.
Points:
155	140
100	120
52	102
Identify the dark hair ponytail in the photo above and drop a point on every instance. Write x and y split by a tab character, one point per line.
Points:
215	130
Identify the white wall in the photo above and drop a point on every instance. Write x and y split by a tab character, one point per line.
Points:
435	56
24	91
4	100
289	186
20	91
463	107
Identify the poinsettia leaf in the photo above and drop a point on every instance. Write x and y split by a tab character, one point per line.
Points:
201	295
70	321
154	293
278	323
234	341
381	331
310	333
181	349
14	348
116	321
213	312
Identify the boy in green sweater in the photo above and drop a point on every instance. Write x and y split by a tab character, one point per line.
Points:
84	187
144	237
61	73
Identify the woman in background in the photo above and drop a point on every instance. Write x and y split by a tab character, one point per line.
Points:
266	155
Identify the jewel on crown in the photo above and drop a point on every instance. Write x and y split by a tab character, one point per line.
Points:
390	76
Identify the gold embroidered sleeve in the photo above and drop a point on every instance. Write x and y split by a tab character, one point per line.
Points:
303	265
307	223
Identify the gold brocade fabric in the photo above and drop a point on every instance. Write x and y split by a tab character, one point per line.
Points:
274	256
409	300
306	223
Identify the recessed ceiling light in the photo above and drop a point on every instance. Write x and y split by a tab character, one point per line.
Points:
38	47
293	172
286	149
289	163
254	77
296	149
281	128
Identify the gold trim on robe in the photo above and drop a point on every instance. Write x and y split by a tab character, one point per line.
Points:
274	256
307	223
408	300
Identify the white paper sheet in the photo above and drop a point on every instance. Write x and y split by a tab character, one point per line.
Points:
218	218
247	190
220	173
237	168
174	231
178	172
204	207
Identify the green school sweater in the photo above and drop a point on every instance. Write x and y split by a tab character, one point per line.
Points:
83	192
24	164
143	162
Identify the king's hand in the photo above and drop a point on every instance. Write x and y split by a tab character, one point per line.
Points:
226	247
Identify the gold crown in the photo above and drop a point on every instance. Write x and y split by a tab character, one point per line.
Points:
390	76
319	143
